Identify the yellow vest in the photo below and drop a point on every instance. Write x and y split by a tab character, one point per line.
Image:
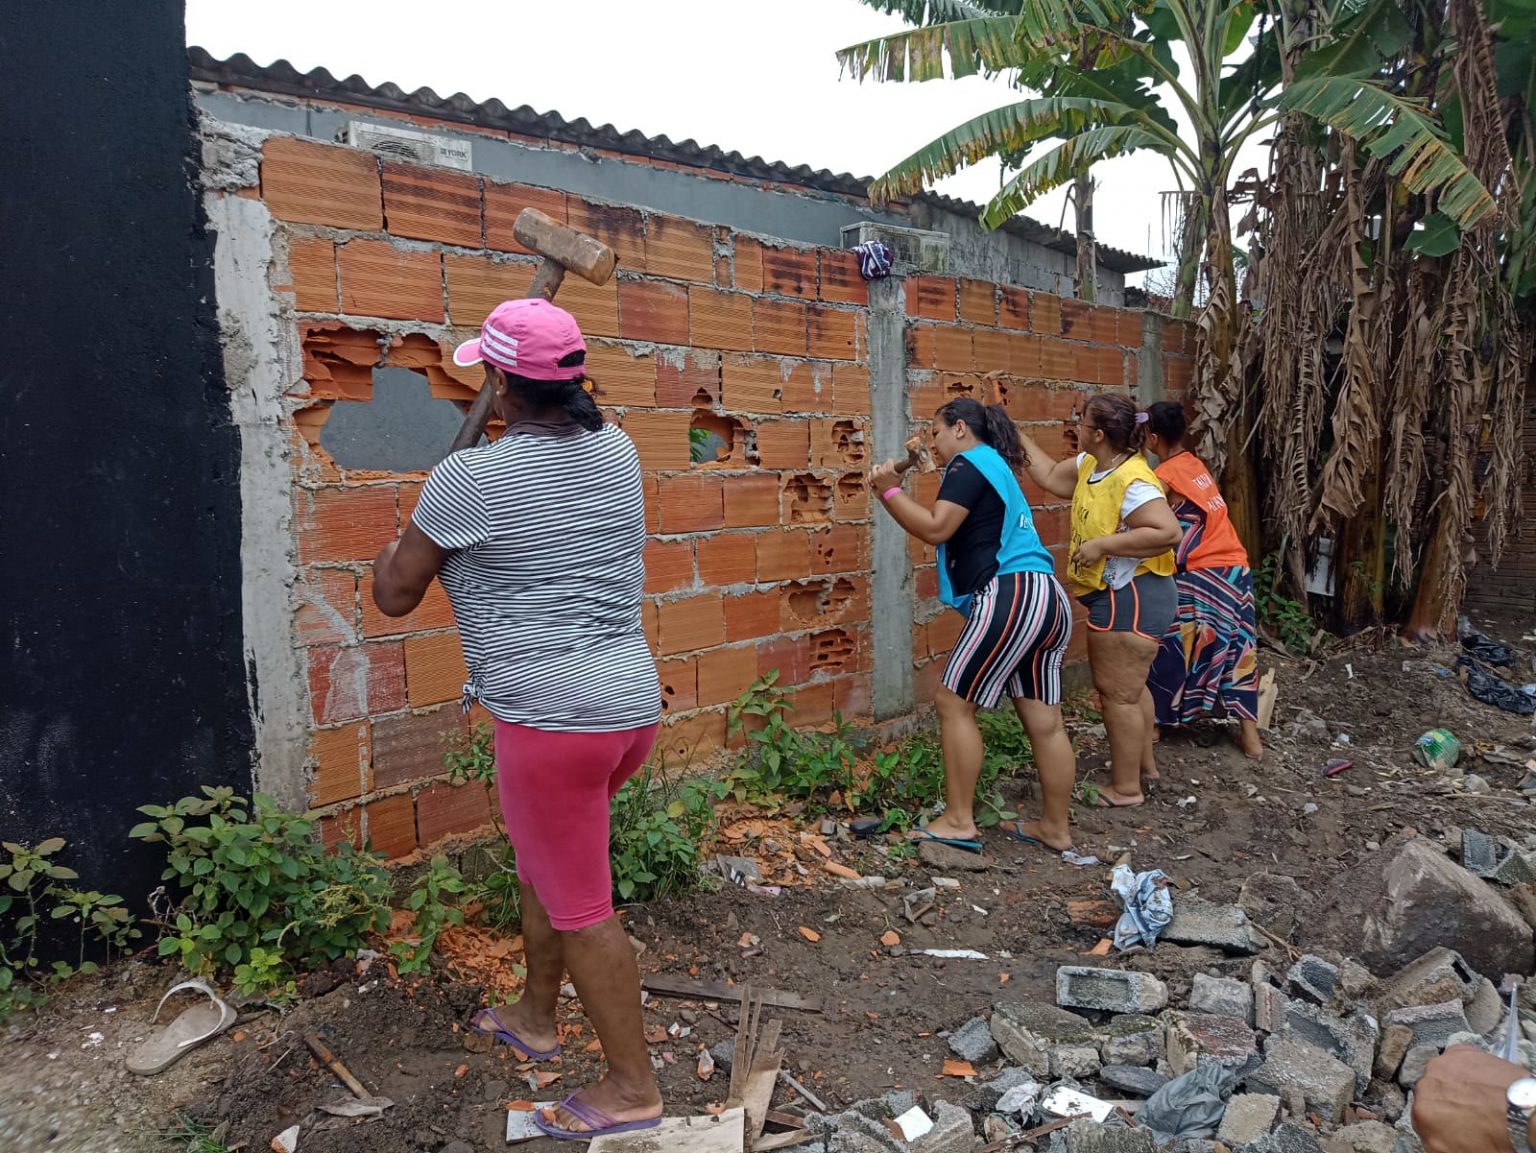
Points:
1096	513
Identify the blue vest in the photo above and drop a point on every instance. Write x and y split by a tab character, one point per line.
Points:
1020	549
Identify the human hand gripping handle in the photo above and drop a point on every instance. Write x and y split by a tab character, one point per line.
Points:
1460	1105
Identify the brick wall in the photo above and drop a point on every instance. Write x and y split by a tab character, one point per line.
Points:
757	561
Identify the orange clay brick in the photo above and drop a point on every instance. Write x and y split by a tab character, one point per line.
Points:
621	229
595	306
668	565
679	249
687	377
991	345
779	326
807	386
836	549
378	279
325	611
854	696
783	444
751	384
840	279
952	349
679	685
335	525
931	297
832	333
719	319
432	204
1014	309
748	263
504	201
619	377
689	624
391	825
751	500
783	555
477	284
727	558
726	673
443	810
812	704
661	438
311	183
850	497
978	301
1045	313
690	503
653	311
850	389
312	263
688	740
1024	353
341	758
750	615
921	345
790	272
1056	359
434	612
434	669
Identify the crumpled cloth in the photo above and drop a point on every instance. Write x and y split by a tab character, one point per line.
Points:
1148	905
1188	1106
874	260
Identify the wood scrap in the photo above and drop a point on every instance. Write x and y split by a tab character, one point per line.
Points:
755	1062
784	1075
1268	694
333	1063
692	990
704	1134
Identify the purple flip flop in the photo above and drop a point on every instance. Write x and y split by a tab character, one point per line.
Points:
598	1123
507	1037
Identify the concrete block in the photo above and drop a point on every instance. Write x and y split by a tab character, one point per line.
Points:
1518	868
1289	1137
1249	1117
1196	922
1314	978
1415	1061
1439	975
1480	853
856	1133
1133	1079
1269	1000
989	1093
1025	1031
974	1042
1396	1040
1109	990
1222	996
1085	1136
1326	1084
1076	1061
1366	1137
1351	1039
952	1131
1131	1039
1271	900
1191	1037
1431	1024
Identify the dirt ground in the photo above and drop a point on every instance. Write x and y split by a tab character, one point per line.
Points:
62	1085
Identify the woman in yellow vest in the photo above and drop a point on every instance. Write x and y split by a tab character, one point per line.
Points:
1119	567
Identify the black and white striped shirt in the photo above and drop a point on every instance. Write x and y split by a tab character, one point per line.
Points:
546	577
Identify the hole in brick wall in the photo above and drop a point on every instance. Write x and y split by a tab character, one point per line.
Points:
712	438
703	399
401	429
339	361
807	500
812	604
827	555
832	650
956	388
850	489
848	442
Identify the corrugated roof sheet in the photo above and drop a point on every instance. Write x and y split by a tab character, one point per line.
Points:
283	78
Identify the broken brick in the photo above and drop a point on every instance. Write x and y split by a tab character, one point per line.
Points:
312	267
341	761
391	825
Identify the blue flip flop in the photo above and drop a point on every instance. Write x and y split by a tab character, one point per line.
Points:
598	1123
507	1037
952	842
1013	834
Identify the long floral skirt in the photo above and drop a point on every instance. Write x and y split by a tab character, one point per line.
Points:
1209	655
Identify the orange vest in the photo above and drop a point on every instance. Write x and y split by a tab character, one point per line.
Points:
1218	545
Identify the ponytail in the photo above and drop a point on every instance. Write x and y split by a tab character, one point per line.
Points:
1116	415
991	425
570	396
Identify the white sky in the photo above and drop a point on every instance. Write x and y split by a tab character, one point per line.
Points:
758	78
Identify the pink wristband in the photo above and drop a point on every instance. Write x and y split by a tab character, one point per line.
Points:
890	492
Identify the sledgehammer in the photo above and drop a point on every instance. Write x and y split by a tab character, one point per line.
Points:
563	250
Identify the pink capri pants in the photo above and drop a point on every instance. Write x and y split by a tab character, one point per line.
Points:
555	790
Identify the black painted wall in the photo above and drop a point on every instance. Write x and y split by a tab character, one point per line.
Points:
121	670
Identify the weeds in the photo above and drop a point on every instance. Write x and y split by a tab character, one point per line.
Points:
781	761
193	1135
35	885
1287	619
433	902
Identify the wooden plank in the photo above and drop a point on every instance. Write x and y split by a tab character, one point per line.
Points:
719	991
780	1140
759	1098
723	1134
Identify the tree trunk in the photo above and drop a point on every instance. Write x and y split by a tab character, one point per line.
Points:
1360	560
1087	247
1434	605
1190	251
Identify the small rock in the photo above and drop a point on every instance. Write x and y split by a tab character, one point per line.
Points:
722	1052
1474	783
989	1093
1109	990
1086	1136
1480	853
1395	1042
948	859
973	1042
1366	1137
1415	1062
1222	996
1132	1079
1387	1099
994	1129
1249	1117
952	1131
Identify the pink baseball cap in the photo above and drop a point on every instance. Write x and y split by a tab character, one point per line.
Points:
526	338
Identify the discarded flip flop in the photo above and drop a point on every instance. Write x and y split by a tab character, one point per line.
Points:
1016	834
866	826
953	842
507	1037
598	1123
190	1029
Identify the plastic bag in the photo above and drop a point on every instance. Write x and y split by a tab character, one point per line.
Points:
1493	690
1486	650
1148	906
1188	1106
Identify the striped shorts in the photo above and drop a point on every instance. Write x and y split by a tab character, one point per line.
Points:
1014	639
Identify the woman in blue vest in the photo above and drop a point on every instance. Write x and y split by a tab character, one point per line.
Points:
994	570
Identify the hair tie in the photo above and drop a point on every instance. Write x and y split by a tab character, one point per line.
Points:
1143	417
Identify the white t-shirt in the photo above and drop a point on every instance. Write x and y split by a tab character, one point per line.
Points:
546	577
1118	570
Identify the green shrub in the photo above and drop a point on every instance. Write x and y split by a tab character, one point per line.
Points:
257	891
433	905
783	762
1289	620
35	897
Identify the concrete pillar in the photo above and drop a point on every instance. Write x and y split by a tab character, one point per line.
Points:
1149	364
891	593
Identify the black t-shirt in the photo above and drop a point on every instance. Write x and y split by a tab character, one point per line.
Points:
972	551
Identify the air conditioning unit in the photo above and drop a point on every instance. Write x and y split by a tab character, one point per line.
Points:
406	144
924	250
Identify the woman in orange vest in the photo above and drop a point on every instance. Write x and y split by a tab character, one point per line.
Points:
1120	568
1210	655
